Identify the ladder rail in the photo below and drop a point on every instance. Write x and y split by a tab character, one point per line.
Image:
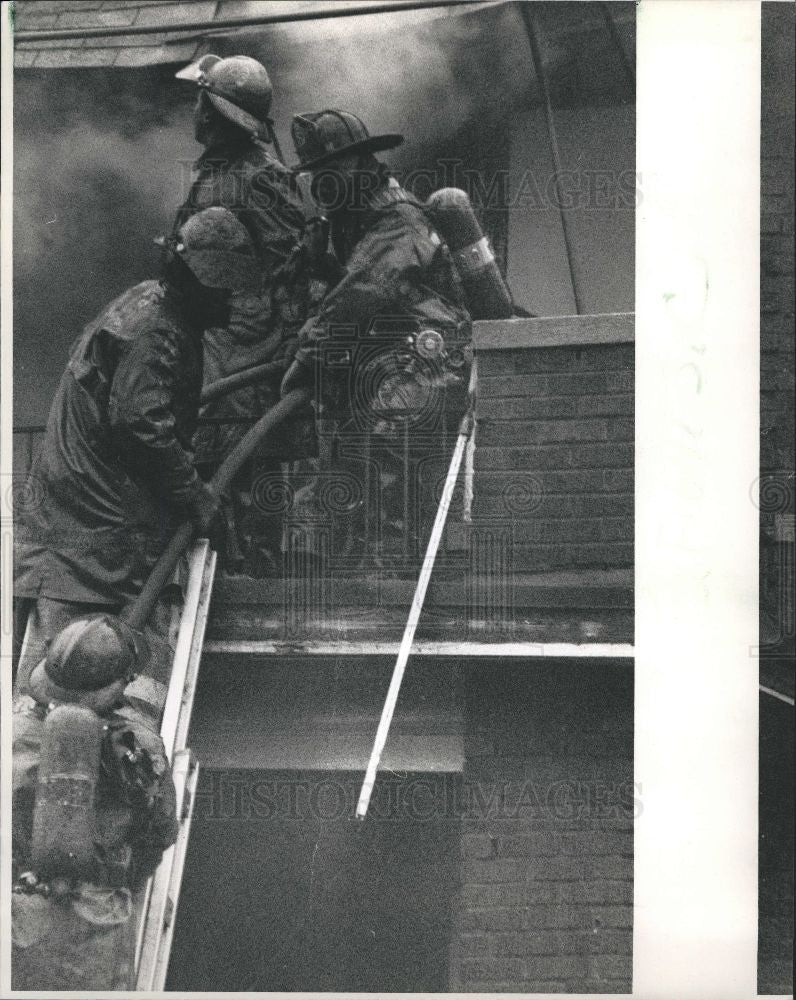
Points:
195	653
158	926
184	648
157	902
180	851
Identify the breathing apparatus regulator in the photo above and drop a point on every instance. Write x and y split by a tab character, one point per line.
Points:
429	345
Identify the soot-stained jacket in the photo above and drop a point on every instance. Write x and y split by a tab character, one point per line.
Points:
114	475
397	274
239	174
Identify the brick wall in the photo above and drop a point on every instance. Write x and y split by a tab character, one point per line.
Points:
554	453
546	896
777	291
778	109
777	497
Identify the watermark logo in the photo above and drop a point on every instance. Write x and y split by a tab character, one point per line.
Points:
411	797
583	189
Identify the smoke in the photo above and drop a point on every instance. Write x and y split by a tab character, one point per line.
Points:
425	77
103	157
98	168
86	185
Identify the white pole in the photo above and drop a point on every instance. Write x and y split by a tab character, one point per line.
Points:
414	618
469	455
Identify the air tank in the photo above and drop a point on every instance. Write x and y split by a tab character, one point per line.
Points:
487	294
64	816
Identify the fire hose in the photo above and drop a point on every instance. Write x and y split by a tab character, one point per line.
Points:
240	379
63	838
487	296
137	612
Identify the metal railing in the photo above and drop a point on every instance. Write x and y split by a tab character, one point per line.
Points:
26	439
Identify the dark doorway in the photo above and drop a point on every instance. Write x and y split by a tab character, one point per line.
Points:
284	890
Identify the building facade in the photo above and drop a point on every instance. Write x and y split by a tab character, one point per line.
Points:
498	855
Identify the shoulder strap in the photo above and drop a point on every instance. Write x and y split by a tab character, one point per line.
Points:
393	194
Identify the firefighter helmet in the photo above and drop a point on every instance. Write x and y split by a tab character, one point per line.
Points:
89	663
323	136
217	247
238	87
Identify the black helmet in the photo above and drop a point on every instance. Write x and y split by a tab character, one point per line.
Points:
238	86
89	663
323	136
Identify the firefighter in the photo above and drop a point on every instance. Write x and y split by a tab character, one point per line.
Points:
237	171
115	476
94	807
389	351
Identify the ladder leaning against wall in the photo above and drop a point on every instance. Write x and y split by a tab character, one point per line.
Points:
157	902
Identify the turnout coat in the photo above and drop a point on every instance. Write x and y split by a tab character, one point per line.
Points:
397	279
397	275
240	175
114	476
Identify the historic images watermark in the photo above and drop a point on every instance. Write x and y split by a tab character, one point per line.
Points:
252	796
576	189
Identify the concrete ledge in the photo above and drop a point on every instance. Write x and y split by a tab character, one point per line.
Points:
553	331
607	588
524	650
339	627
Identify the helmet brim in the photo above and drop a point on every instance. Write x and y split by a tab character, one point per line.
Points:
195	70
228	271
373	144
43	689
260	129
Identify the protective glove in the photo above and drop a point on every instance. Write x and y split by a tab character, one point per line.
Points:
297	376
